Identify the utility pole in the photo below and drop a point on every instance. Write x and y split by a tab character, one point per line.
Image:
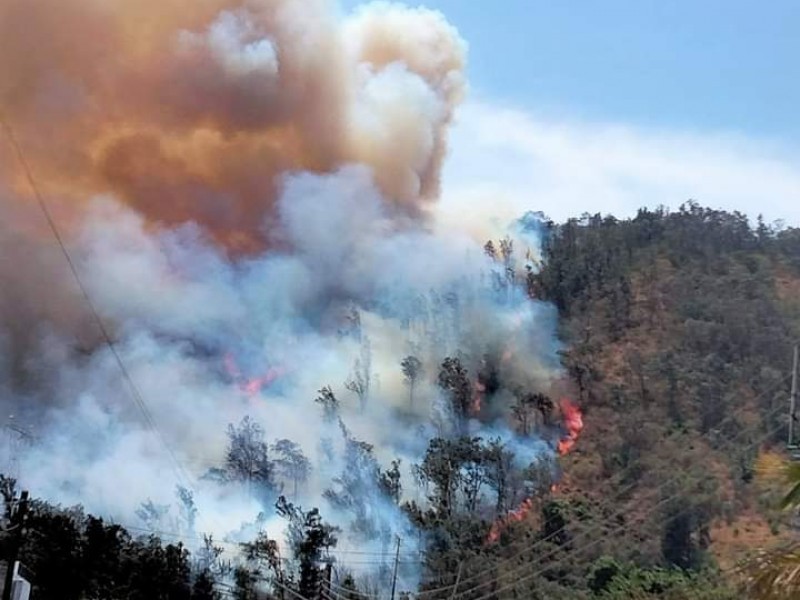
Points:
793	397
18	519
458	580
15	437
396	562
328	579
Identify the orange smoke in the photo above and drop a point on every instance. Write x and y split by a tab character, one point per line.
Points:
192	110
573	423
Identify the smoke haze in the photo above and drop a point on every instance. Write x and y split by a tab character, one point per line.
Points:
187	111
245	190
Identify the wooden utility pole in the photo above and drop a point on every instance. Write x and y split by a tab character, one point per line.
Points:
325	588
793	397
396	562
458	580
17	526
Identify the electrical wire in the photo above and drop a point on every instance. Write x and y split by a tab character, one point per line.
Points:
290	590
618	496
133	389
585	533
182	537
522	578
139	399
332	585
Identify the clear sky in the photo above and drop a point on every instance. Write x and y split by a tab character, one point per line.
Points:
720	75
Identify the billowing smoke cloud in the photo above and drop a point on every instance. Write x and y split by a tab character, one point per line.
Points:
187	111
243	188
352	289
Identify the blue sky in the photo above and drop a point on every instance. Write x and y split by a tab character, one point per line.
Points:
708	64
662	76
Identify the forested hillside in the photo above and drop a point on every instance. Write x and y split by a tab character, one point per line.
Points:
677	331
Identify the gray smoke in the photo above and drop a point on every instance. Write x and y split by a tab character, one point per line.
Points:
182	310
245	188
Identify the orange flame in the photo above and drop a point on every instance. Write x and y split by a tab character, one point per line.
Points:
252	385
514	516
573	422
477	397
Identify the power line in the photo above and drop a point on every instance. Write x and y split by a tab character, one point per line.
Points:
586	532
290	590
333	587
515	572
132	387
529	576
618	496
183	537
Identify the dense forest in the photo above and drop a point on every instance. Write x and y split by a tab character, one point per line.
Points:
677	332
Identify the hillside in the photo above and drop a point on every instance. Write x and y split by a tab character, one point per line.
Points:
630	477
680	330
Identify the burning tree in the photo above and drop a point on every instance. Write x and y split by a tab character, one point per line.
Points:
291	463
187	507
390	482
310	540
330	404
152	514
453	471
525	408
361	376
573	423
247	460
263	559
454	381
362	486
412	372
499	465
439	473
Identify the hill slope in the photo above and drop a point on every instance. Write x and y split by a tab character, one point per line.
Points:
679	330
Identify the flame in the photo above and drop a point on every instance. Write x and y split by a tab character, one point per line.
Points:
477	397
254	385
251	385
513	516
573	423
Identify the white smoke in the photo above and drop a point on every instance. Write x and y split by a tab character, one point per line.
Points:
244	188
179	307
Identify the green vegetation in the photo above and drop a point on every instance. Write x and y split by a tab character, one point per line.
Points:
677	331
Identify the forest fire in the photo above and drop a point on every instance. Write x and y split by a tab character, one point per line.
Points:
514	516
251	385
478	391
573	423
269	171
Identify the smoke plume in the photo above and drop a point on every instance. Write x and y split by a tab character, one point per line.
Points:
189	111
245	189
